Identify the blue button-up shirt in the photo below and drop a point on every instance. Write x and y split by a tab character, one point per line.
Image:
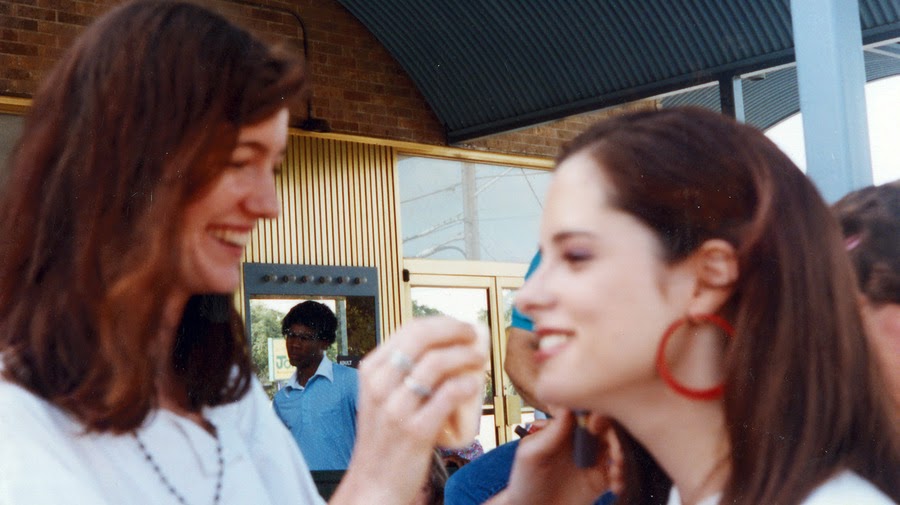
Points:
322	415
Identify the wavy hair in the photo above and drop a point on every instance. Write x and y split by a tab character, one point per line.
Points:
870	220
314	315
135	122
802	399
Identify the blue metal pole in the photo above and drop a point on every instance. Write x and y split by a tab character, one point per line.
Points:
831	78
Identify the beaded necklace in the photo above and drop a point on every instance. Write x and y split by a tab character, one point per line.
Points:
168	484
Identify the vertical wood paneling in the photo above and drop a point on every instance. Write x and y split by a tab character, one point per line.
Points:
338	208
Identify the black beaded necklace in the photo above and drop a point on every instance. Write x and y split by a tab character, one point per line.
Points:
169	485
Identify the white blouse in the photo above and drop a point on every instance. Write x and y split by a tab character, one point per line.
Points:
45	458
843	489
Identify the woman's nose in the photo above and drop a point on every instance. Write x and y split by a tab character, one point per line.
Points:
531	297
262	201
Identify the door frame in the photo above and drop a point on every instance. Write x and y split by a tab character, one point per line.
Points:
493	277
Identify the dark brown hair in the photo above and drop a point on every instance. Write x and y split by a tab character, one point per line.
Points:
802	400
437	479
870	220
314	315
135	122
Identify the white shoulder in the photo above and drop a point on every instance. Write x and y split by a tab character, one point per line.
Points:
847	487
37	443
23	413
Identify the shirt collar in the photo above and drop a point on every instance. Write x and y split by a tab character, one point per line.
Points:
675	498
326	369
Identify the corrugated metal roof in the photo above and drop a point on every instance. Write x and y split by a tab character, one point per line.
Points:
772	97
487	66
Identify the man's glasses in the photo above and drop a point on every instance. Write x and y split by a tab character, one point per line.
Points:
304	335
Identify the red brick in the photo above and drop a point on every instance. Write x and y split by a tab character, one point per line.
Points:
16	74
91	9
74	19
28	12
59	5
18	23
51	52
291	30
18	48
352	96
38	38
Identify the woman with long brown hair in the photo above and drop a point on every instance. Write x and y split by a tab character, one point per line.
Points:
146	160
695	291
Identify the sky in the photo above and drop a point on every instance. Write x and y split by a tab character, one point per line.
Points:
883	110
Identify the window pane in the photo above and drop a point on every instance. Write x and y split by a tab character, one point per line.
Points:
10	129
458	210
470	305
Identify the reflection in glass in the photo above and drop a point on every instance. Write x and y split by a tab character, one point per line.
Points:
355	334
460	210
470	305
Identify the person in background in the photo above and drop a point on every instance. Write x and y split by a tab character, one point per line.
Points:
149	154
318	403
521	342
456	458
478	481
695	290
870	221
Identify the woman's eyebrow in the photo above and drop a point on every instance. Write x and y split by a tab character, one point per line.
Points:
259	147
564	235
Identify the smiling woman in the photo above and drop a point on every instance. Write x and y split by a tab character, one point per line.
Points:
694	290
217	225
145	163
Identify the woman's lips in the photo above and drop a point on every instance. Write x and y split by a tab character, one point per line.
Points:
232	237
550	344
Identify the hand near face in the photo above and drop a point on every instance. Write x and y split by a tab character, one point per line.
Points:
410	389
544	470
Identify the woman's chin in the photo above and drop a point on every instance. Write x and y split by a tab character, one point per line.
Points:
555	390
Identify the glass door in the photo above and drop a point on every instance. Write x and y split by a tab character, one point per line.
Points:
482	299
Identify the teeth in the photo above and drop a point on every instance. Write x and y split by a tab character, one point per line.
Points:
551	341
235	238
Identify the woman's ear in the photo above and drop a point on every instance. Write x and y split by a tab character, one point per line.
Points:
715	266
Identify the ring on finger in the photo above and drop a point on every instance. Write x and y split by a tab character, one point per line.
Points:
401	361
421	390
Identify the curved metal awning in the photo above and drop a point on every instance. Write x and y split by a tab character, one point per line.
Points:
489	66
772	97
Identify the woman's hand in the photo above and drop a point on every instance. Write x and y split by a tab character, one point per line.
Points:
410	387
544	470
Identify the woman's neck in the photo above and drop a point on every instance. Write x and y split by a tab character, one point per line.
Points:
689	441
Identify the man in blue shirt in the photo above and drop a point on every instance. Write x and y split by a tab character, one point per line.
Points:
318	404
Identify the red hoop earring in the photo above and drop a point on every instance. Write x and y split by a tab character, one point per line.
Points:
666	374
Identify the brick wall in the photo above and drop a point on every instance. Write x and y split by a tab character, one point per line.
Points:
545	140
354	83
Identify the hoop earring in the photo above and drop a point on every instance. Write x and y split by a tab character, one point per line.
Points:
666	374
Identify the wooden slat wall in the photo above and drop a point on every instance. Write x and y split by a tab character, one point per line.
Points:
339	207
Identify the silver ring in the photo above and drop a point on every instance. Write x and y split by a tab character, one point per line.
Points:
421	390
401	361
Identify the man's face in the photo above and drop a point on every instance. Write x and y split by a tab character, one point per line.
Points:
303	349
